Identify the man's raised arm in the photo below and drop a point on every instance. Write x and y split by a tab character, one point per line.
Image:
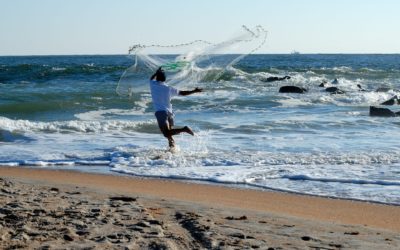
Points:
189	92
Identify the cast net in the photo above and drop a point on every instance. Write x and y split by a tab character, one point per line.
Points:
190	63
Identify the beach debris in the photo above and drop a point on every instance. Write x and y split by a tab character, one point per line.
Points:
352	233
123	198
243	217
67	237
54	190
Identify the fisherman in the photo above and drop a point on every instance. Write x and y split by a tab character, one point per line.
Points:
161	95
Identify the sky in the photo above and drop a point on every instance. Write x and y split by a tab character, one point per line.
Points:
61	27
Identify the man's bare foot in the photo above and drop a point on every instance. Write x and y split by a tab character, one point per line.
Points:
188	130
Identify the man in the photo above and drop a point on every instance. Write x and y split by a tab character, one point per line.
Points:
161	95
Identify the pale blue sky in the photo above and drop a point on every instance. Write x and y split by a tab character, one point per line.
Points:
43	27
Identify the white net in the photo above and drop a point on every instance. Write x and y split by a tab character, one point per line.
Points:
188	63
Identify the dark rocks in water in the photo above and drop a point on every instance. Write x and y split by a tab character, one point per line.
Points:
360	88
334	90
292	89
275	78
392	101
322	84
383	112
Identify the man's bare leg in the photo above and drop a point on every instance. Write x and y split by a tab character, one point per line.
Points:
171	141
176	131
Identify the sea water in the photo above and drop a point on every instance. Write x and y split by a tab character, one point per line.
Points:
63	112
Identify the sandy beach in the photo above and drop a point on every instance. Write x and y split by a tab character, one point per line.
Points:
50	209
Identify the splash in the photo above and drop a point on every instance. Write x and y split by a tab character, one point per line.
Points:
188	63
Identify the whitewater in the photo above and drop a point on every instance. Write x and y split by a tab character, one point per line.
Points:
62	112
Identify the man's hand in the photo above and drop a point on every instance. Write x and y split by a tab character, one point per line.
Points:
154	75
160	70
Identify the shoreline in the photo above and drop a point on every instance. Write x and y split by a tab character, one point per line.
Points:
332	210
59	209
105	171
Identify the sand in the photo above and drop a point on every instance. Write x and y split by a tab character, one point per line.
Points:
50	209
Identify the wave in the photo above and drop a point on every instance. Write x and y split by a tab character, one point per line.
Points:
76	126
14	136
337	180
50	163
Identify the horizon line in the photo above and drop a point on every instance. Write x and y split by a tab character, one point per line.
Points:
289	53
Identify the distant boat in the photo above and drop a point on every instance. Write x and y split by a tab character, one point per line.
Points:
294	52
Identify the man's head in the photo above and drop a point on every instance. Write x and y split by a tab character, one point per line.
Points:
160	75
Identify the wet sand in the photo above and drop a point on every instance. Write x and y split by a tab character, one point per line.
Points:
49	209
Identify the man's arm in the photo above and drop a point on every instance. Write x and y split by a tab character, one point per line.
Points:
189	92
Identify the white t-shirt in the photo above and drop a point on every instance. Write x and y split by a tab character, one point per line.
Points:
161	95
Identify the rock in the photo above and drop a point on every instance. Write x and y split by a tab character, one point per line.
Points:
383	112
392	101
292	89
335	81
275	78
334	90
360	88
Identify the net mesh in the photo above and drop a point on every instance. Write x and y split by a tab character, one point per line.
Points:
188	63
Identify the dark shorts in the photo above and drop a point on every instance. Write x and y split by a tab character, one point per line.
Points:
165	121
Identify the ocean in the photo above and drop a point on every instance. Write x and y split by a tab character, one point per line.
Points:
63	112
